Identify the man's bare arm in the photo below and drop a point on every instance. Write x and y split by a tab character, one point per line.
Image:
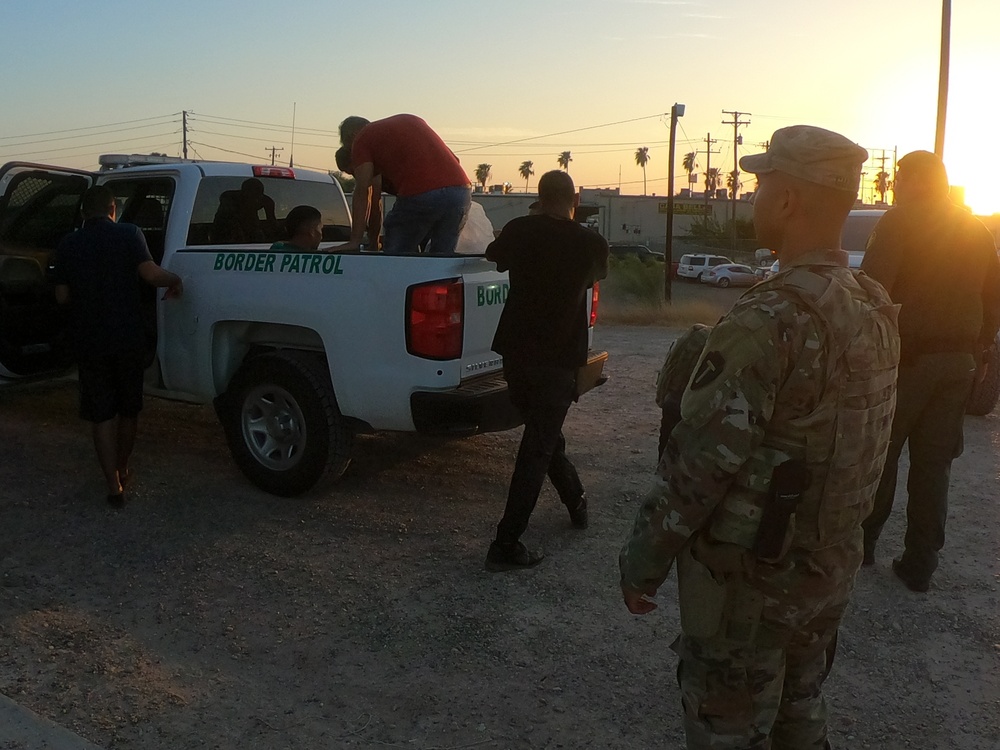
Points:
153	275
361	201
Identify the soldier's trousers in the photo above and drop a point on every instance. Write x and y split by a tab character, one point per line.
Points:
765	695
931	395
543	396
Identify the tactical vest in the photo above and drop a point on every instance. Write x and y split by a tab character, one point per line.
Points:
844	438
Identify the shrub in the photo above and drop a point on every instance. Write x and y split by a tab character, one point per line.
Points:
632	294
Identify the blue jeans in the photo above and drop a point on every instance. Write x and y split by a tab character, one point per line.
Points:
436	216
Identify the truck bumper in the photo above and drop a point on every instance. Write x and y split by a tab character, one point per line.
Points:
477	405
483	405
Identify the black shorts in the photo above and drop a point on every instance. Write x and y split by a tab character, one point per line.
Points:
110	385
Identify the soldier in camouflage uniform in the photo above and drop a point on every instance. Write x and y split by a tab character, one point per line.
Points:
765	481
673	378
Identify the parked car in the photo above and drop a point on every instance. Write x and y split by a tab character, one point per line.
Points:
730	274
693	265
641	252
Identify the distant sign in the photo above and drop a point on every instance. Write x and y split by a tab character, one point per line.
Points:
687	209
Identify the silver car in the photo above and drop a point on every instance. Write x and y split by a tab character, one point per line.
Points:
730	274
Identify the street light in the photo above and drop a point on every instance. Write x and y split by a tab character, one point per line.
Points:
668	256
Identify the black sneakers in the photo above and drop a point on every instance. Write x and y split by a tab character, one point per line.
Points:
912	581
511	557
578	514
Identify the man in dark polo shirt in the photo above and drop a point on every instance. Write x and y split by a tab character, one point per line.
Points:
97	273
542	335
433	193
937	262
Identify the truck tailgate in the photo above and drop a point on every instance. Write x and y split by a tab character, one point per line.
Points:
485	294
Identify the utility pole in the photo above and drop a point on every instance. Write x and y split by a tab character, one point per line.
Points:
291	150
668	256
942	106
709	142
184	129
881	177
273	150
737	141
894	170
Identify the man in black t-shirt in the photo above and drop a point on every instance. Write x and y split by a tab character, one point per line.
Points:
97	272
542	335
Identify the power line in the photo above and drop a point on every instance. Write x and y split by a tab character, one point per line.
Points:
89	127
93	145
269	124
254	138
101	133
254	157
564	132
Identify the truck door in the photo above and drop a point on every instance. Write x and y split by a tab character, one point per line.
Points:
39	205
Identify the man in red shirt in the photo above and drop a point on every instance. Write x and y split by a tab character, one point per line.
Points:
433	193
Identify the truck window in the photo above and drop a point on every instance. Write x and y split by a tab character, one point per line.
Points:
145	202
43	207
241	210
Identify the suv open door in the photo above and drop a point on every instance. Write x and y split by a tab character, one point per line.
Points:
39	205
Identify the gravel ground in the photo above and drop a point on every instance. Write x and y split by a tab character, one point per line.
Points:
211	615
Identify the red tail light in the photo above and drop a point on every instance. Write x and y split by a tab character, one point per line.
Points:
434	319
265	171
595	295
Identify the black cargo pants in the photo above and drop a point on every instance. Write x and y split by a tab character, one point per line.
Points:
931	395
543	396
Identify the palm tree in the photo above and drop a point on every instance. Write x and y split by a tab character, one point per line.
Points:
711	180
882	185
564	159
483	174
526	170
641	159
733	183
689	164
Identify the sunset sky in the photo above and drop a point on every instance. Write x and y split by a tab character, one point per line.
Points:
502	82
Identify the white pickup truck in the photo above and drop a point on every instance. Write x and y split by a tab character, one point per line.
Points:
298	351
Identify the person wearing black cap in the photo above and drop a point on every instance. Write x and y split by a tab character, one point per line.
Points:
767	475
542	337
939	263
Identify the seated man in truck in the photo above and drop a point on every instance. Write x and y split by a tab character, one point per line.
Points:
304	227
433	191
238	217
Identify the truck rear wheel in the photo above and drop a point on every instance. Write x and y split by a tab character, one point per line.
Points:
282	423
986	392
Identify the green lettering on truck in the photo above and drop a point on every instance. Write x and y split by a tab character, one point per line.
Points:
491	294
311	263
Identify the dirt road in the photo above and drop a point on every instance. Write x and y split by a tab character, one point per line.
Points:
211	615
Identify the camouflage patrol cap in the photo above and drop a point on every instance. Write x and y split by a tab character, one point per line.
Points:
812	154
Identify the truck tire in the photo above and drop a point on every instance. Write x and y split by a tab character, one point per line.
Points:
282	422
986	392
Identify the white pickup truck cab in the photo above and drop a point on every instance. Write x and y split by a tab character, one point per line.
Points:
298	351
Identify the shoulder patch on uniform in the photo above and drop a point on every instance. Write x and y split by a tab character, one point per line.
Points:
710	368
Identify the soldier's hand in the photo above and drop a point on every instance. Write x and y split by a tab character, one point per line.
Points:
636	599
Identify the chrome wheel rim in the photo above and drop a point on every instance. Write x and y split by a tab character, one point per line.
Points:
274	428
